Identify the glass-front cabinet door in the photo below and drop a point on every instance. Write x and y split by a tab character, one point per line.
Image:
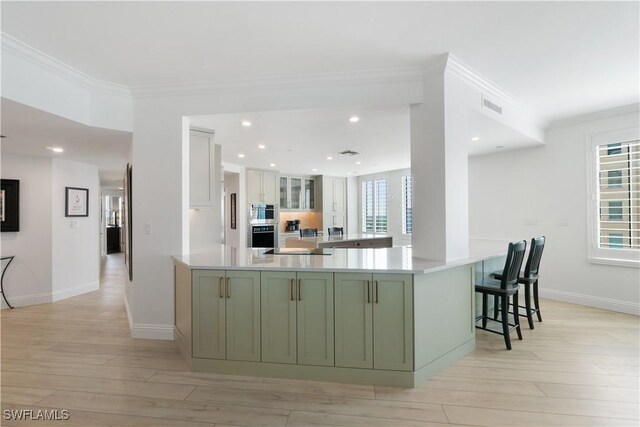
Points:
284	184
296	191
309	194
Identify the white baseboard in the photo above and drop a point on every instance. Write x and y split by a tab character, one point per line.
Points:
126	308
25	300
152	332
75	291
591	301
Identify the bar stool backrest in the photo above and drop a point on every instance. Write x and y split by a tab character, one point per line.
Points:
535	253
308	232
336	231
512	266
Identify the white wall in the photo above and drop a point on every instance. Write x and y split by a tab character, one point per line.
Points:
232	185
545	185
28	278
53	261
76	250
394	203
353	207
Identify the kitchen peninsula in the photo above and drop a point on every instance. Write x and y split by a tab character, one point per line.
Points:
369	316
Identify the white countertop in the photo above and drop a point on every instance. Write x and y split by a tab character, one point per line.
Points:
379	260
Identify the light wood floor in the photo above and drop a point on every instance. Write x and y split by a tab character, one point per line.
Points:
580	367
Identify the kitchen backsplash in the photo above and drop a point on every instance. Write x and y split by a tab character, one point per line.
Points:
307	220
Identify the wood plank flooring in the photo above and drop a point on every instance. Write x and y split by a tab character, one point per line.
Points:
580	367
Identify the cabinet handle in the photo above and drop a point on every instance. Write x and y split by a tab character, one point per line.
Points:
228	287
368	291
222	287
375	283
299	289
291	286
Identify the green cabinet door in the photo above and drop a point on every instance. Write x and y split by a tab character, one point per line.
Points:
392	322
243	315
208	306
315	319
354	320
278	313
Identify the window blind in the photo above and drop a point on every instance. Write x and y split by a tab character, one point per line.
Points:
618	195
367	206
374	206
407	205
381	205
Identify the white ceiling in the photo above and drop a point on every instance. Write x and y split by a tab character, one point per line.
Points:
298	142
561	58
30	131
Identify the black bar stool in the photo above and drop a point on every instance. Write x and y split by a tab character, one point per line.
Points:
308	232
336	231
505	288
530	280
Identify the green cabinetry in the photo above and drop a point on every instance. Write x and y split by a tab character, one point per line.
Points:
278	296
315	319
226	314
374	321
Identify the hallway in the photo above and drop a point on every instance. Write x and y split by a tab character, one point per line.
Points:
77	355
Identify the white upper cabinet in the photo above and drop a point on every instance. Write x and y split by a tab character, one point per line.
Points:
201	169
334	202
262	187
297	193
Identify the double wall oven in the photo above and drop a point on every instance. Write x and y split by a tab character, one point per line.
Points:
263	225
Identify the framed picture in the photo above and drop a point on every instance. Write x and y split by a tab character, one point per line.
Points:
10	205
76	201
233	211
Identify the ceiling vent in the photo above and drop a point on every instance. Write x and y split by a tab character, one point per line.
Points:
349	153
491	106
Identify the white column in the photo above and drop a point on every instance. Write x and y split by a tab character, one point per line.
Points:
439	157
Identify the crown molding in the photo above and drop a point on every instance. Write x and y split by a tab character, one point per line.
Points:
597	115
50	64
484	85
361	77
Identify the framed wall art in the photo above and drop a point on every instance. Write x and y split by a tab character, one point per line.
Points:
10	205
233	211
76	201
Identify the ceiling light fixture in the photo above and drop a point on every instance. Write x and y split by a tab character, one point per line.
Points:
241	155
329	158
55	149
245	123
314	170
475	138
354	119
262	146
357	163
120	188
348	173
272	164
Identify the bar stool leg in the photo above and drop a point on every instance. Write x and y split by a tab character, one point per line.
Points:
527	303
505	321
496	306
535	300
484	310
516	315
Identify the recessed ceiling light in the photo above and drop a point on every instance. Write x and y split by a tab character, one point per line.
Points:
475	138
241	155
499	146
55	149
120	188
272	164
329	158
262	146
357	163
354	119
246	123
314	170
348	173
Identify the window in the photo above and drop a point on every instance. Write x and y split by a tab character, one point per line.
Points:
374	206
615	210
615	240
407	205
614	178
615	214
